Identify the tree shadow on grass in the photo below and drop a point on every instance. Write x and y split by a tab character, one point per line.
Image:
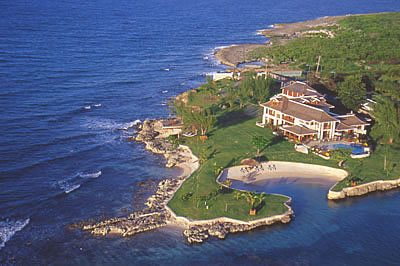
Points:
259	206
275	140
232	118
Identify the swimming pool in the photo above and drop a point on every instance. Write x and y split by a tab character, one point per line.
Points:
356	148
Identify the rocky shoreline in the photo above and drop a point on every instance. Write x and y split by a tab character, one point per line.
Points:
235	54
157	214
380	185
200	231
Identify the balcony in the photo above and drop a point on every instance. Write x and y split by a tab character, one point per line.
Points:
288	119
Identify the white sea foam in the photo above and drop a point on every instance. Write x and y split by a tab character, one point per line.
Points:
108	124
9	227
90	175
166	69
165	91
128	125
68	189
74	182
97	105
87	107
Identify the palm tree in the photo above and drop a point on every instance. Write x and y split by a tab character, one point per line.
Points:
387	120
259	142
251	198
262	197
237	194
227	183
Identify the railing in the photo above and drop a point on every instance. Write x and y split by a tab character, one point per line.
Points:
289	119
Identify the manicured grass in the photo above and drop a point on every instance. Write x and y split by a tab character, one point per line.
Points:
372	168
226	146
230	143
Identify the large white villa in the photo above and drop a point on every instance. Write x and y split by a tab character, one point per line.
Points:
301	113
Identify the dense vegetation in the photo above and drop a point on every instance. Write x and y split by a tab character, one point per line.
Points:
361	61
363	58
361	43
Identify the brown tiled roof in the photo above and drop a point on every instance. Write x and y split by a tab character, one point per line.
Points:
299	130
344	127
302	88
300	111
352	120
321	104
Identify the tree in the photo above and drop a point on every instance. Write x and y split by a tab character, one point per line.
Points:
195	120
237	194
205	120
243	94
352	92
262	89
262	197
389	83
227	183
251	197
340	154
259	142
386	113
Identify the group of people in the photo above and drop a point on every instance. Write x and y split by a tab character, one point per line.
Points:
257	168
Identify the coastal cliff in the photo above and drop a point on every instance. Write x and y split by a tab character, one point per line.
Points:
359	190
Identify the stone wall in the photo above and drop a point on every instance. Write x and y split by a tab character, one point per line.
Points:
380	185
199	230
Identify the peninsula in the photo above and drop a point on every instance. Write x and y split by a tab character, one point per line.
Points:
311	107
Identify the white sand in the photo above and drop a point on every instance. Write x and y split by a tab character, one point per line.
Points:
285	171
190	161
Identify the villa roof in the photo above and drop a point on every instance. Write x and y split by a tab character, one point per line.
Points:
299	130
308	100
351	120
298	110
344	127
302	88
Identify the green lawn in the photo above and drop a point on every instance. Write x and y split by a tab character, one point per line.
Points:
230	143
372	168
227	145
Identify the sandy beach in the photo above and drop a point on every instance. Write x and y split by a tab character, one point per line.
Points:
189	164
284	172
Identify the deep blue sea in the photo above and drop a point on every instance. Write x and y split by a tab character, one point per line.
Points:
73	74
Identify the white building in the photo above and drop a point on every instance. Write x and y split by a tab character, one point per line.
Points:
302	113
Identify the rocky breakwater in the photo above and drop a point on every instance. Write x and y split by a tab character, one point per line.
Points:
155	215
199	231
380	185
155	139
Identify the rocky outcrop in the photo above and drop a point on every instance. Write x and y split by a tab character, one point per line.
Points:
158	214
156	141
199	231
155	215
380	185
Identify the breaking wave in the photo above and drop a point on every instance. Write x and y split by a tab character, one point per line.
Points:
9	227
72	183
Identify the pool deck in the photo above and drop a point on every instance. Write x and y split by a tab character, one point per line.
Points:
320	143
